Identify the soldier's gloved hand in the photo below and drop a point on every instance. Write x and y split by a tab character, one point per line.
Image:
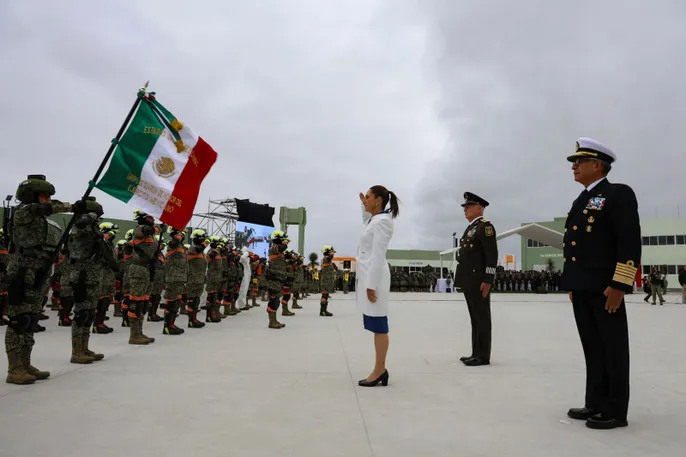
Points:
79	207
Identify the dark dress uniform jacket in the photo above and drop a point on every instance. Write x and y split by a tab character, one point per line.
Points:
602	240
477	256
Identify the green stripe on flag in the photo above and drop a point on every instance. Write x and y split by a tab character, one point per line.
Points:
170	117
122	176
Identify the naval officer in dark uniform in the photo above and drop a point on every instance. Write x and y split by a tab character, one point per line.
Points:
601	248
477	258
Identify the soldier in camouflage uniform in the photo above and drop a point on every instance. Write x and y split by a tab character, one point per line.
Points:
3	269
32	240
299	281
255	275
346	281
138	275
176	275
214	279
289	257
197	269
276	275
118	296
262	280
327	279
231	293
108	287
88	256
124	265
157	286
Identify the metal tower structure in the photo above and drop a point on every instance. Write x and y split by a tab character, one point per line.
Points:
220	218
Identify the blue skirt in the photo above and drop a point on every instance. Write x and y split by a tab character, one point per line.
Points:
376	324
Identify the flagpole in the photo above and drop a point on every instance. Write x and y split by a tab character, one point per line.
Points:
40	275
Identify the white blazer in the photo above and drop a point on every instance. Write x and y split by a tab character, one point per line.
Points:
372	270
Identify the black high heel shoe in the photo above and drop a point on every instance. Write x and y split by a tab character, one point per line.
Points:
383	379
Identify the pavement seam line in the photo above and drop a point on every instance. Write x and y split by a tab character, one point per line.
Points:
357	398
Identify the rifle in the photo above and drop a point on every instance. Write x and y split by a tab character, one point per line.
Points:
6	239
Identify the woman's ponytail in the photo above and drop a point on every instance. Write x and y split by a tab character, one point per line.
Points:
393	200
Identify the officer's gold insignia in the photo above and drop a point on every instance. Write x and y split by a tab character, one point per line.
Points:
489	231
589	228
164	167
591	220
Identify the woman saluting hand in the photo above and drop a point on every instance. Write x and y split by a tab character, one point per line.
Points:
380	207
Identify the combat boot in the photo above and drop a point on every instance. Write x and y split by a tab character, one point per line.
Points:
136	335
193	321
284	309
232	311
323	309
169	328
85	340
273	323
77	354
140	331
117	308
295	303
30	369
16	374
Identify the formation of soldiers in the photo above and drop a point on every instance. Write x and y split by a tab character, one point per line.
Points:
416	281
527	281
152	268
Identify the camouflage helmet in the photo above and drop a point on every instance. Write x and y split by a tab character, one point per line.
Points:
34	185
199	234
328	250
121	243
278	236
140	215
108	227
129	235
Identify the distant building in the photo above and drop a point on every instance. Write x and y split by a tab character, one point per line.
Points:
664	247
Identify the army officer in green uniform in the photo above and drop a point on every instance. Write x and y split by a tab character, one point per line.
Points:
477	259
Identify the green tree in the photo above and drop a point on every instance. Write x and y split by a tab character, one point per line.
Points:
551	266
313	259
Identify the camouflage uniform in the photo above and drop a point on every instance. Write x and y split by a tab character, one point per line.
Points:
33	238
346	281
3	268
85	255
197	268
157	285
255	276
110	268
214	279
138	276
262	279
287	288
232	284
118	295
276	275
176	275
327	279
124	265
299	281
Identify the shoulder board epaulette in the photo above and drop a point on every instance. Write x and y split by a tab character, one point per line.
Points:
483	220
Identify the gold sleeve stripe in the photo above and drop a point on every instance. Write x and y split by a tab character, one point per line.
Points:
625	274
626	269
623	280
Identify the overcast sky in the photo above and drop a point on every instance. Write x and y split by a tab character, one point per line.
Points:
431	98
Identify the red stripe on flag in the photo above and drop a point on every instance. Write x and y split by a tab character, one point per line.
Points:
179	209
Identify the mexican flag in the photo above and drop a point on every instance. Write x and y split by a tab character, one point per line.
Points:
158	165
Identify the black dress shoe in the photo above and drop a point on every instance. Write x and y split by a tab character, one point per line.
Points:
476	362
581	413
462	359
604	422
383	379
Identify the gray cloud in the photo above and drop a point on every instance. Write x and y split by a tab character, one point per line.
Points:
520	81
429	98
330	94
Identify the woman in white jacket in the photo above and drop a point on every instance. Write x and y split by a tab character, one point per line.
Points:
245	281
373	275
